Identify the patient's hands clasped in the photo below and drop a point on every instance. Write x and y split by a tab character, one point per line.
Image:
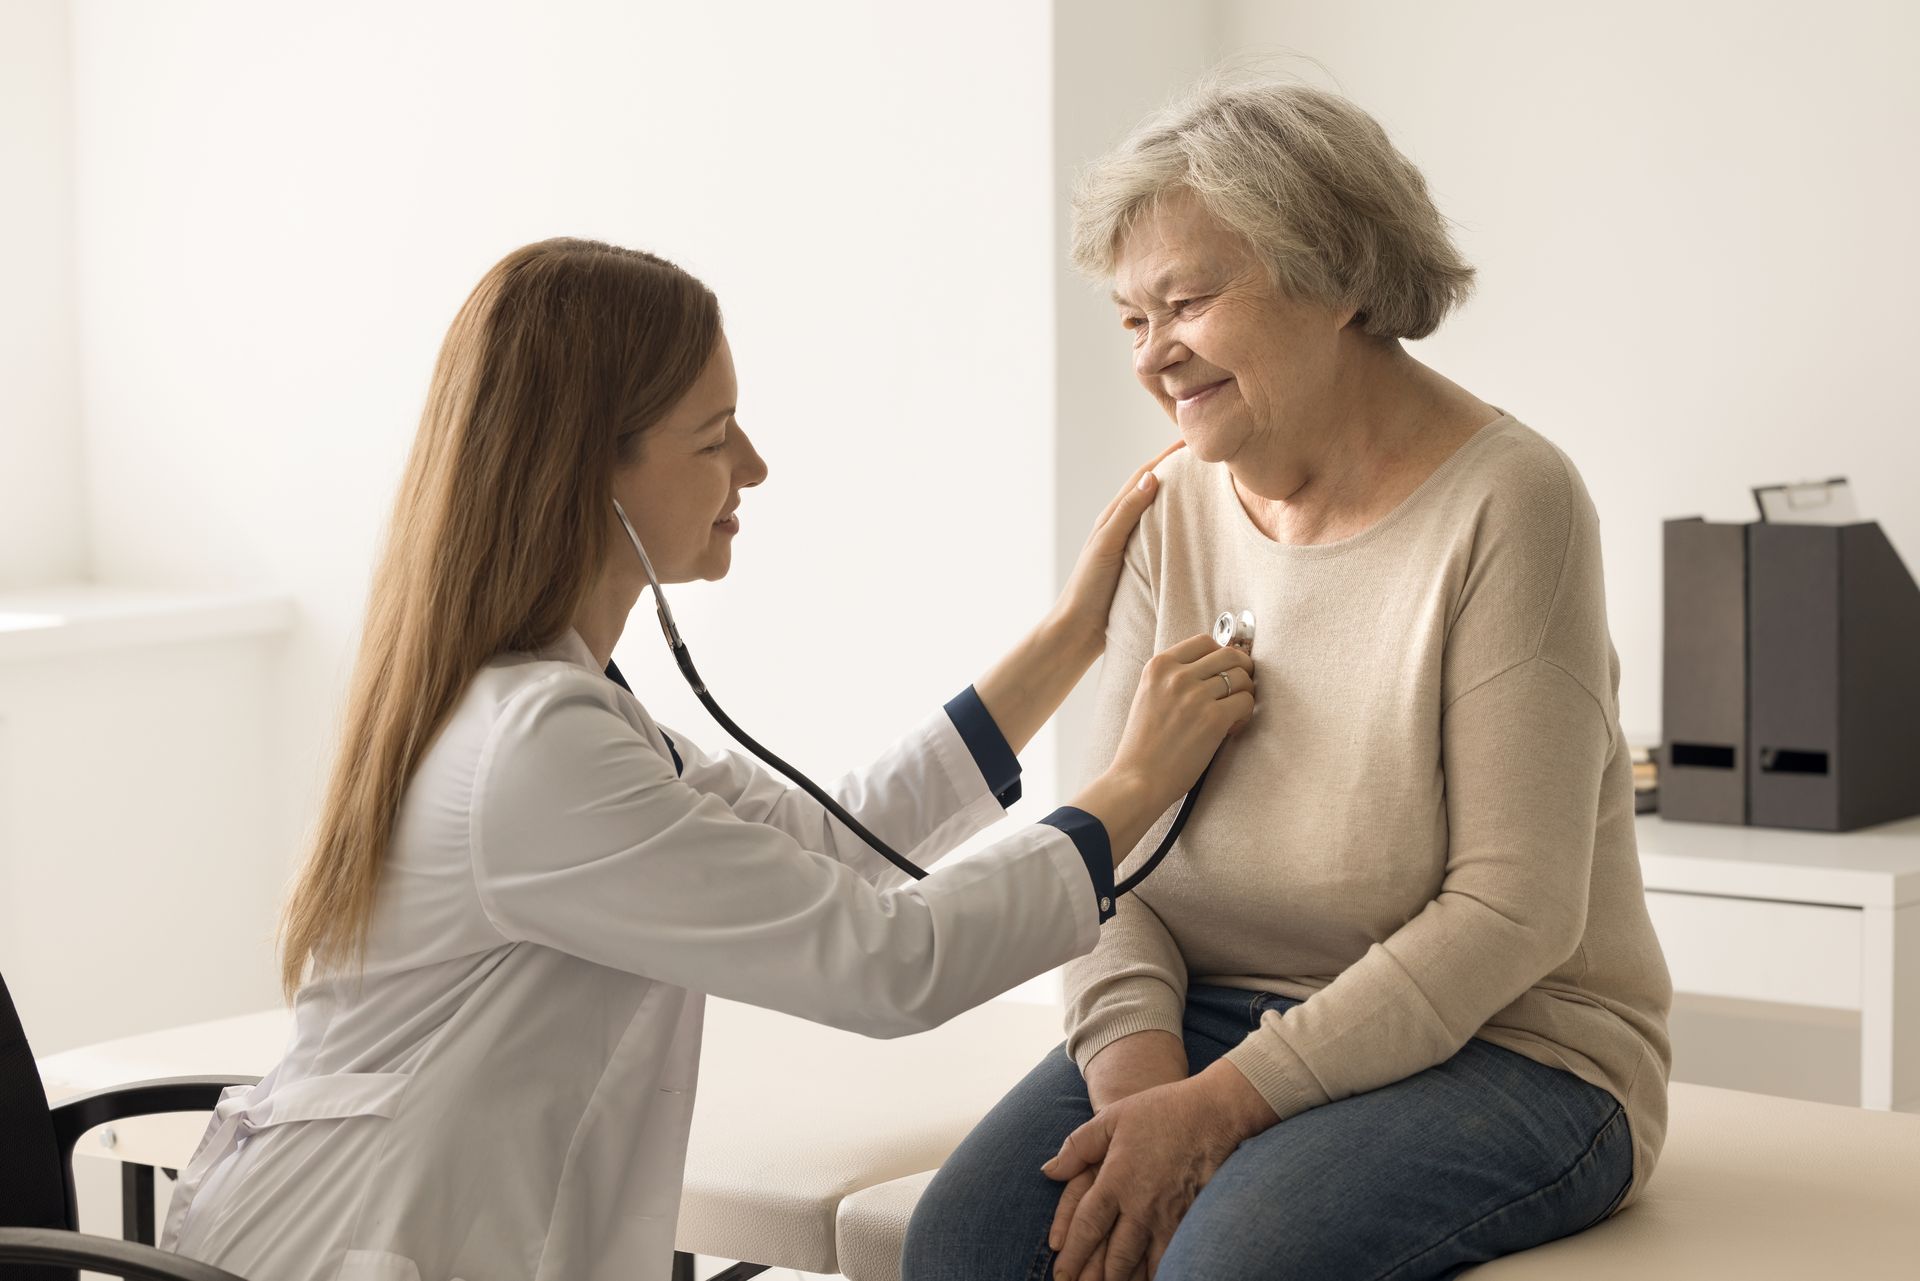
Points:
1136	1167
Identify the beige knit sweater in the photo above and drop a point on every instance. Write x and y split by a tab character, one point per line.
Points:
1427	830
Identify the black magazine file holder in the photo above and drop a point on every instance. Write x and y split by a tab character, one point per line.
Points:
1791	687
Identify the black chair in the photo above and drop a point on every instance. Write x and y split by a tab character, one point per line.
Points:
39	1215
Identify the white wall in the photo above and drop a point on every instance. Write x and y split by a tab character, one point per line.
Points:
1694	225
136	881
280	210
42	520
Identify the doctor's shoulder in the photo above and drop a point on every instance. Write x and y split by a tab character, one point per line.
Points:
520	695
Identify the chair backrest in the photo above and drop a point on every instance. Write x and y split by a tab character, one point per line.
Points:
33	1188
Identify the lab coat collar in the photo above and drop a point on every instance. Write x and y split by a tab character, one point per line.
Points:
570	648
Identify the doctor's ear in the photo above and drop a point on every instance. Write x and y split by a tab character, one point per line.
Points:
626	446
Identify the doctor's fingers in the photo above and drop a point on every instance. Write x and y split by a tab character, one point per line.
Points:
1133	483
1225	659
1224	685
1190	650
1108	541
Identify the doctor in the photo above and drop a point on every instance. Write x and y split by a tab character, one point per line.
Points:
520	886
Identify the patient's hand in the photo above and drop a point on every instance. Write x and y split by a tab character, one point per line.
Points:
1150	1156
1132	1172
1135	1063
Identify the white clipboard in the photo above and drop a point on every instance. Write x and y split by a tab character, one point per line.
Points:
1809	502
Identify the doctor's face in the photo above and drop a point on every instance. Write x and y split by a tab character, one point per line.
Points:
680	492
1245	372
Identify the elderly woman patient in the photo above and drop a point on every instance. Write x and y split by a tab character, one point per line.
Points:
1395	1006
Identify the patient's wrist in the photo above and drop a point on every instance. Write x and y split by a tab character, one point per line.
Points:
1244	1109
1135	1062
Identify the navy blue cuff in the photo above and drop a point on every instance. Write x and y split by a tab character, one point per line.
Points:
1089	836
996	761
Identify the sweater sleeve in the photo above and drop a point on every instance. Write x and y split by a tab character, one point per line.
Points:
1135	980
1527	731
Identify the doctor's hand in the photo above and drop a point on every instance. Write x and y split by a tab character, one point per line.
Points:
1026	687
1083	605
1190	697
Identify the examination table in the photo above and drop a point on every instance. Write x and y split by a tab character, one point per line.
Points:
810	1147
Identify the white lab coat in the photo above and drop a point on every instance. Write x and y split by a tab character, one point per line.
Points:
505	1092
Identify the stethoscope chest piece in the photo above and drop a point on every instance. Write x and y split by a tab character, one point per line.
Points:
1235	628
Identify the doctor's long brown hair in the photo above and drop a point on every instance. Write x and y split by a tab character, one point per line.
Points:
563	354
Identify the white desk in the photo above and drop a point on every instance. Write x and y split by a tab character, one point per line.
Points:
1804	918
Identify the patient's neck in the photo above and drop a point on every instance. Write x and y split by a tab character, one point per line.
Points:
1387	424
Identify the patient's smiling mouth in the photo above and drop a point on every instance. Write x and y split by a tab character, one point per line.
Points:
1198	395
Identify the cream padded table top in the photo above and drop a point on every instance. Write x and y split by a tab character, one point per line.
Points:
790	1116
873	1225
1751	1187
1760	1188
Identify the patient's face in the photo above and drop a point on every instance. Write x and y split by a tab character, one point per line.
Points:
1244	371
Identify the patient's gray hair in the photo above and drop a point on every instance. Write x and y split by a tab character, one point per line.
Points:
1306	178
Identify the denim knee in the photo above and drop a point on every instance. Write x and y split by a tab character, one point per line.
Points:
985	1215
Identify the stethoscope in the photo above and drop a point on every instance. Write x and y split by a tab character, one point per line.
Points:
1234	627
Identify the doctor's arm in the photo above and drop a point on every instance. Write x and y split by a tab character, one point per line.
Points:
584	840
956	772
950	776
1026	687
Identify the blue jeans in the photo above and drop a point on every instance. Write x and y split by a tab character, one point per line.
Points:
1483	1155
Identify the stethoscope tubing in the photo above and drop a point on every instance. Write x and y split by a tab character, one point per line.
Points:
683	658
